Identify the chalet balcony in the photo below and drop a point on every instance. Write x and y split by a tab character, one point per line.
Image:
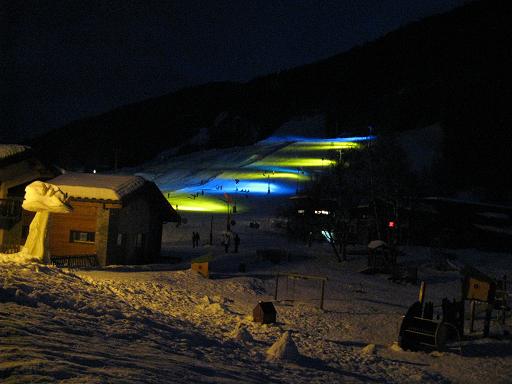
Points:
10	248
10	212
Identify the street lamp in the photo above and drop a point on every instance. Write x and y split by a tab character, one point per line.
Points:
267	173
299	172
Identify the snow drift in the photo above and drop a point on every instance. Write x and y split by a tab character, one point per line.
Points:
42	198
283	349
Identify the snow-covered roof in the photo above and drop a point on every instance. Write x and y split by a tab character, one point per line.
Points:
98	187
8	150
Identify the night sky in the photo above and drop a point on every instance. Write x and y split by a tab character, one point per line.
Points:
64	60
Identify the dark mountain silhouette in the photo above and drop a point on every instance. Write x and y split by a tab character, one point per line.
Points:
452	68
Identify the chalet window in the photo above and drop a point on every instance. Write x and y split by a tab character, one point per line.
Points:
81	237
139	240
121	237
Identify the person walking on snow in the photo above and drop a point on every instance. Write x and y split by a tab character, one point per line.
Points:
227	239
237	242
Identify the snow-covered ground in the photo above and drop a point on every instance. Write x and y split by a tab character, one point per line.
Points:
166	324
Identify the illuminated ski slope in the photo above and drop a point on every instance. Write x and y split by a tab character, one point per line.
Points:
278	166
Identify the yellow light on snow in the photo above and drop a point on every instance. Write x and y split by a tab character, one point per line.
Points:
295	162
321	146
252	175
205	203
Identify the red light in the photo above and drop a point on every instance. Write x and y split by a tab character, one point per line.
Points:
391	224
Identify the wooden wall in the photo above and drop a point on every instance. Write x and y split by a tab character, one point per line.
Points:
82	218
133	219
138	216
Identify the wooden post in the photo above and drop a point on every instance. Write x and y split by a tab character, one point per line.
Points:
503	311
472	318
228	225
423	288
322	296
211	230
277	284
487	321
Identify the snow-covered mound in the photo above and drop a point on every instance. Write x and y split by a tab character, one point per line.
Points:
41	198
240	333
45	197
368	350
283	349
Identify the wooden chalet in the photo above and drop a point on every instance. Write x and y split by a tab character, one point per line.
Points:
19	166
116	218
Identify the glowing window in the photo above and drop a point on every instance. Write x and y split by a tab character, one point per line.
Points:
81	237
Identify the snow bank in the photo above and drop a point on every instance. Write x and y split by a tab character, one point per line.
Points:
41	198
240	333
209	306
283	349
374	244
368	350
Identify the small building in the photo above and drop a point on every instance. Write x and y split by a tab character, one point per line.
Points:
264	312
310	216
19	166
117	218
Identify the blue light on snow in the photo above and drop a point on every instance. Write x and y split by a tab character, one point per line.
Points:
277	169
284	139
249	186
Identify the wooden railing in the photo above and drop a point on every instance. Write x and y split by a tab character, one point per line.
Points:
10	208
75	261
10	248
